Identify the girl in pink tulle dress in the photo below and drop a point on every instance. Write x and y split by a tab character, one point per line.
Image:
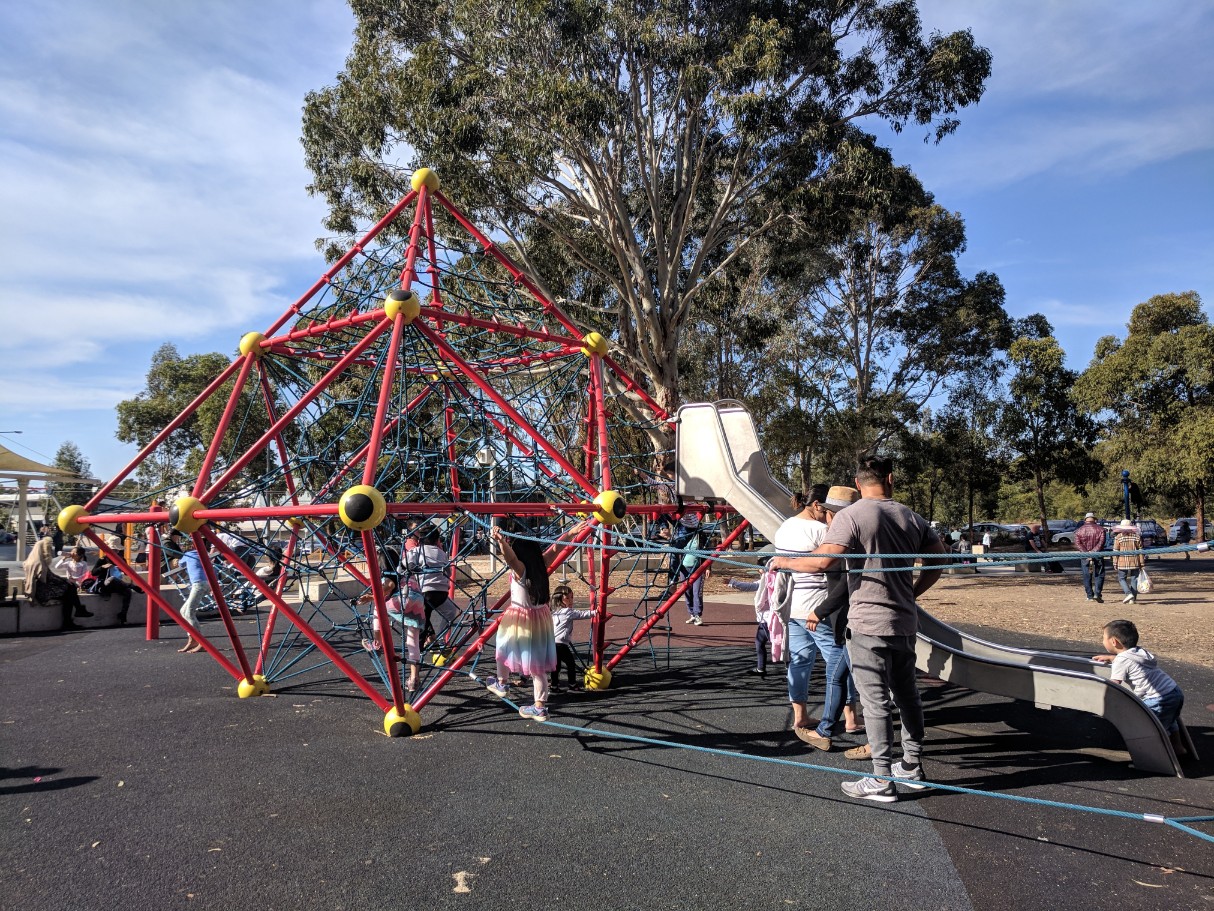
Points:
526	643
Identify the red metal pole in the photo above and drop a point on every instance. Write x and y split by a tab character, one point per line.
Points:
449	353
117	560
225	615
672	600
280	585
450	670
385	622
105	489
304	401
312	636
151	617
204	473
381	407
388	218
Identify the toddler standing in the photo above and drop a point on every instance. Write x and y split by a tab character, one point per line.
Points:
563	615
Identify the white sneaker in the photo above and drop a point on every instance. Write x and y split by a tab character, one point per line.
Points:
697	621
906	776
1127	599
871	789
690	620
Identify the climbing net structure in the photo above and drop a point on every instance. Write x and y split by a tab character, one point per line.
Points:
424	377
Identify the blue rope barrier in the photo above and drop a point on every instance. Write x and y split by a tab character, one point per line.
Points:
1178	822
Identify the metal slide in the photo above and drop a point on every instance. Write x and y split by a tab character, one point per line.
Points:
1050	680
719	458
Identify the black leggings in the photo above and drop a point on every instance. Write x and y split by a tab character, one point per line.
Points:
566	656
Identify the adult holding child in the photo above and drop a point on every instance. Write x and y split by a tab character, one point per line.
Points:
883	617
801	534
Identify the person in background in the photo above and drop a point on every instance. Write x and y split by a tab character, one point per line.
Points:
1089	540
1184	535
1128	564
689	540
112	579
74	565
192	562
43	585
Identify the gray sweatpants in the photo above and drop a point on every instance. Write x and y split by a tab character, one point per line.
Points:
884	667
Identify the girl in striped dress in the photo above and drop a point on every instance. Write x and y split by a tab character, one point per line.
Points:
526	643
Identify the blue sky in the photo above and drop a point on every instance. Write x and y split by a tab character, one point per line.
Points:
153	180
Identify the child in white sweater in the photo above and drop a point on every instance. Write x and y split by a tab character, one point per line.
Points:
563	615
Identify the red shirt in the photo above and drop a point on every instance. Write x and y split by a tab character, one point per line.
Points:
1089	537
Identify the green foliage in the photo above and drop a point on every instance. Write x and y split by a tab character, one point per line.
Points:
638	148
1050	438
173	382
1154	392
69	457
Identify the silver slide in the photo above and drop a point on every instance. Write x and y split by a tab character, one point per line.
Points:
1050	680
719	457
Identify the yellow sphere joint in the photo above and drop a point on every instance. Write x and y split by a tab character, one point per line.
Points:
69	520
424	177
610	507
402	724
406	303
362	507
438	660
250	343
593	343
181	515
258	687
296	522
597	680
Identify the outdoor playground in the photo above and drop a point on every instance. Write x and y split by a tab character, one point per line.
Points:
425	377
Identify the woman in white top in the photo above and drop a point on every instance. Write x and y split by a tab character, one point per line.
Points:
800	535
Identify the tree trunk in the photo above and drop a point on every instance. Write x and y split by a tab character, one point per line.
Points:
1201	510
1045	523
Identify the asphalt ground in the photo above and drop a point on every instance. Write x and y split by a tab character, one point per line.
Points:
134	778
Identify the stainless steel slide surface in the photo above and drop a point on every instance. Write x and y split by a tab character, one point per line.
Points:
1046	678
718	457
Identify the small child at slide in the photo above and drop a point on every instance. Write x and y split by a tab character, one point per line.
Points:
1136	668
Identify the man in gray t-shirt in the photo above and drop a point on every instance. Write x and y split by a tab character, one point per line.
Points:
883	617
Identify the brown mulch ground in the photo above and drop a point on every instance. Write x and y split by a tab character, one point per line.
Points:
1174	621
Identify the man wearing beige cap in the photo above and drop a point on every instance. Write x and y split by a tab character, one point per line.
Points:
883	618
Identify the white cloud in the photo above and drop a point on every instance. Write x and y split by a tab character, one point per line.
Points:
1083	88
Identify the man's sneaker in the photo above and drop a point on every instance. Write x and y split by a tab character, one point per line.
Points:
906	776
1127	599
538	712
871	789
690	620
1099	599
495	687
1090	598
697	621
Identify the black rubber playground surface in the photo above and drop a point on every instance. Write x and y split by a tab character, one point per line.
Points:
133	778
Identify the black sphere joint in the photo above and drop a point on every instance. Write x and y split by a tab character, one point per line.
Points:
359	507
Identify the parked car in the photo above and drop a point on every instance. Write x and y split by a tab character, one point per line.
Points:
1003	537
1192	523
1149	530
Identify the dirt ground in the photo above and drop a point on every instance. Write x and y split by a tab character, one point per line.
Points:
1174	621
